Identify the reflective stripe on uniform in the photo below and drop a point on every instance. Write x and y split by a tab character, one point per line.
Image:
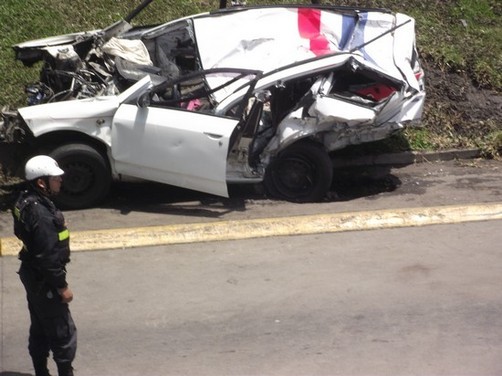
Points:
63	235
17	213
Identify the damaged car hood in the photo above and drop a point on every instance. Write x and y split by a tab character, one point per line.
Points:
91	116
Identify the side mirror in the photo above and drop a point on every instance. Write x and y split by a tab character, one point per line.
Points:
144	100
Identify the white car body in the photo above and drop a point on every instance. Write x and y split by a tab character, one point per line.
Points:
285	47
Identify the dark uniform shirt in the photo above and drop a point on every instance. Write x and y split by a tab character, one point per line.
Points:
42	229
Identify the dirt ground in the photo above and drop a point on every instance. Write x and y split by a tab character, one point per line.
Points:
463	110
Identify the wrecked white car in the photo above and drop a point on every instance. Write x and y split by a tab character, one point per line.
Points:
242	95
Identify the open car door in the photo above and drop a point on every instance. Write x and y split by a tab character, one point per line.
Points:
174	137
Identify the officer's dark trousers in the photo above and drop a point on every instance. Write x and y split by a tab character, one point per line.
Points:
52	327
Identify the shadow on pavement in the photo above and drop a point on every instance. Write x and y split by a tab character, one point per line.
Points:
348	183
160	198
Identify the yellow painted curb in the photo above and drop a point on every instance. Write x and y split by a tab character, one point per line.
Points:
257	228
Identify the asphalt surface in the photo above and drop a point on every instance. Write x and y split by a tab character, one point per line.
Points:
401	301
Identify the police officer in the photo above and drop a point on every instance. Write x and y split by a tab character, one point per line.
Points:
45	253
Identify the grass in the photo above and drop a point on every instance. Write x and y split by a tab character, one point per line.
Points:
471	40
460	39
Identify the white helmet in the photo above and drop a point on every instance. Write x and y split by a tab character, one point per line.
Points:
41	165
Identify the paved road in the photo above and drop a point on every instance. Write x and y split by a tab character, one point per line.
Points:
411	301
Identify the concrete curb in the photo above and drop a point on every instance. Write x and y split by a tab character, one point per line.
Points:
268	227
407	157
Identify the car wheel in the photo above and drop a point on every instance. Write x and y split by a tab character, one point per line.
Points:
301	173
87	176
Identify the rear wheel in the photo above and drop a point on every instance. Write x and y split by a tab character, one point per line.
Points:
301	173
87	176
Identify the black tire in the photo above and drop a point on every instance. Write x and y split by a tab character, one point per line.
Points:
87	176
301	173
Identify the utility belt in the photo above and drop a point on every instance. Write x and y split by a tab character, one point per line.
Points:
24	255
28	260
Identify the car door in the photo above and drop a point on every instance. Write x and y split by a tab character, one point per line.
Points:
174	146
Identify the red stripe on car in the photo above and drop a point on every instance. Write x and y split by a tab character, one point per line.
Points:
309	26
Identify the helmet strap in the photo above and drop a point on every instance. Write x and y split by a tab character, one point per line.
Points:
43	186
